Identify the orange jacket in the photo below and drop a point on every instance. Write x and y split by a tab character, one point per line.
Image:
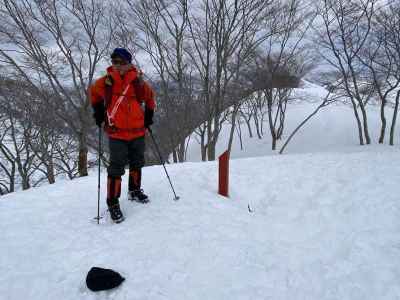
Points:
128	118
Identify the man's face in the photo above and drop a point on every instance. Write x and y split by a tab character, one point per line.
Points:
121	65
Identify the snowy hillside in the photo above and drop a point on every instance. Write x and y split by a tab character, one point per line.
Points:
333	129
323	226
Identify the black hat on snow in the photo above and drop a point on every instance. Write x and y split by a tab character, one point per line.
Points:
99	279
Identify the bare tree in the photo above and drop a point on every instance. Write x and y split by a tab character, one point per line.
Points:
14	148
28	132
246	114
58	43
346	29
199	59
7	163
273	97
280	58
271	71
65	153
35	145
200	137
160	28
223	35
382	58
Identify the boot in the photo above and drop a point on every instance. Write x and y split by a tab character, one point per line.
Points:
115	210
135	192
113	194
138	196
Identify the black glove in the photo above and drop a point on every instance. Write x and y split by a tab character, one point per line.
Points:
148	117
99	113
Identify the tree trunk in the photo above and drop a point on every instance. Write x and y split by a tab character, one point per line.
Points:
240	135
181	151
209	138
257	125
365	123
82	155
203	152
233	126
211	150
282	116
50	171
249	128
212	139
203	146
360	132
174	156
25	183
271	124
393	126
280	131
12	178
203	149
383	120
187	141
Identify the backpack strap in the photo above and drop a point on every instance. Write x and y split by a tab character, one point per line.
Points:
108	92
137	85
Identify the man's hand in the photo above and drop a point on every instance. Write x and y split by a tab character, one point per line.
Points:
148	117
99	113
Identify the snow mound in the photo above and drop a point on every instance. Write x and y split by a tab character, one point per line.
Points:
322	226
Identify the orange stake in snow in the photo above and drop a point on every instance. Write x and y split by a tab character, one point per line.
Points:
224	174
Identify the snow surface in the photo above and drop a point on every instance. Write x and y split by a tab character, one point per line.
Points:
324	223
323	226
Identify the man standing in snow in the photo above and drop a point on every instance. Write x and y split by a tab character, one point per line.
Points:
117	100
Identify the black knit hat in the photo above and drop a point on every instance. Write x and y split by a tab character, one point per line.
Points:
122	53
99	279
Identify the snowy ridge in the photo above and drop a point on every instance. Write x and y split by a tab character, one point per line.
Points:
324	226
333	129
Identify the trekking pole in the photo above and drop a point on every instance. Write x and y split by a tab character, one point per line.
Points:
98	179
162	162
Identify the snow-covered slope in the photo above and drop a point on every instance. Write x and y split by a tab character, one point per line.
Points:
333	129
323	226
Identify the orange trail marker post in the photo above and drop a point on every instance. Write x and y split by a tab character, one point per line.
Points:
223	174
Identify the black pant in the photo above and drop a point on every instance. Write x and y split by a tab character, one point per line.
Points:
123	153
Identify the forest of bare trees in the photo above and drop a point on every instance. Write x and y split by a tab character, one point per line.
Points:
211	62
